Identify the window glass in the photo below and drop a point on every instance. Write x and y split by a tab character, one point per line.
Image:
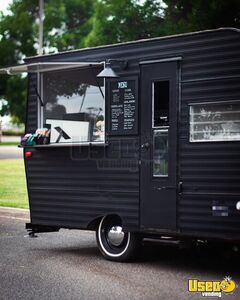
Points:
160	153
161	103
74	105
215	122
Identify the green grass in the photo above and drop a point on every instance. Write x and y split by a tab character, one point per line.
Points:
13	190
10	132
9	143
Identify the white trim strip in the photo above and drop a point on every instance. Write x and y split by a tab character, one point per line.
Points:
160	60
46	67
215	102
104	144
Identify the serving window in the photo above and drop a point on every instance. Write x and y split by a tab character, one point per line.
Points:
215	122
73	105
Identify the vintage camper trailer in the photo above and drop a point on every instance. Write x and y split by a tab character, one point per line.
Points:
144	140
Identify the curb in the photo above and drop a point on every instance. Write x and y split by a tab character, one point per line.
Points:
14	213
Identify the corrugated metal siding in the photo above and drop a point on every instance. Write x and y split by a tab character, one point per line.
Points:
210	171
70	187
210	71
31	114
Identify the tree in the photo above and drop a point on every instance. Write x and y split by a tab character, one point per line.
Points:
72	24
16	41
126	20
66	25
194	15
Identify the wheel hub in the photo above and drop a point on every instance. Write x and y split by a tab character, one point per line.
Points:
115	235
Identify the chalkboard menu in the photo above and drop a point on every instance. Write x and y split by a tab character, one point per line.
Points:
123	107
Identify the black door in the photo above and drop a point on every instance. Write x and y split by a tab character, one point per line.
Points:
159	90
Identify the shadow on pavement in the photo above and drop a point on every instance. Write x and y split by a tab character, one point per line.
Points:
218	260
215	258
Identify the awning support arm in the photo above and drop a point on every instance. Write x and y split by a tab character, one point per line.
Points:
39	97
97	82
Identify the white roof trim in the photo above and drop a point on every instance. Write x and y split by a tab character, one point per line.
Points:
46	67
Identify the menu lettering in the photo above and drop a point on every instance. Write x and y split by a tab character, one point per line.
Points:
123	107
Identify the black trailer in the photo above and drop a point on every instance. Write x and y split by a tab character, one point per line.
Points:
144	142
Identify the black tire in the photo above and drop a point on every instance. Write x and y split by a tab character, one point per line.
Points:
125	249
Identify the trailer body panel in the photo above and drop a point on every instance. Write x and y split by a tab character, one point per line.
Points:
72	186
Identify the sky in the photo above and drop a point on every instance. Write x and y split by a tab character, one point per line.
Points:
4	4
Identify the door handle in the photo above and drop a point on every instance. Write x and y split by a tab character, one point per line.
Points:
145	146
165	188
180	187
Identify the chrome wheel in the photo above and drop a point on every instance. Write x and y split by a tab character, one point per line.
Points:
116	235
113	242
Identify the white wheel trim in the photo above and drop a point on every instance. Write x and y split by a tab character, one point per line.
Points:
102	246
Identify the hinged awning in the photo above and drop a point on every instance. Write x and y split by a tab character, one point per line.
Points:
46	67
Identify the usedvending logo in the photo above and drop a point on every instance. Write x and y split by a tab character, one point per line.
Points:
212	288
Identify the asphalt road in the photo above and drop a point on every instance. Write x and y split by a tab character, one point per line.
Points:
10	152
68	265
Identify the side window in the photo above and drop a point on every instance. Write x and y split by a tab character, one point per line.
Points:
211	122
160	125
160	103
160	153
74	105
